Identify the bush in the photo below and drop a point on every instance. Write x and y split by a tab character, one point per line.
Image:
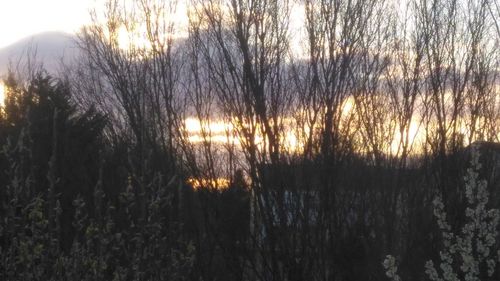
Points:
468	254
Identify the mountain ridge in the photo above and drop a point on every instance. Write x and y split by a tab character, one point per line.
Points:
48	48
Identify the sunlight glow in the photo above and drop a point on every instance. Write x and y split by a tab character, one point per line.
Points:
123	37
213	131
347	107
170	23
218	183
2	94
415	134
219	132
194	125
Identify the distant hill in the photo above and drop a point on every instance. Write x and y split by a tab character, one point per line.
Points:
50	48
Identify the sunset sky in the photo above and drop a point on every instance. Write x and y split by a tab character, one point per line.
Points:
23	18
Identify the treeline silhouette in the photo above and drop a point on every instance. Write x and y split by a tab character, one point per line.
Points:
337	138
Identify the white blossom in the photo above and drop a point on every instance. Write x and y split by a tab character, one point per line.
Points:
391	268
472	245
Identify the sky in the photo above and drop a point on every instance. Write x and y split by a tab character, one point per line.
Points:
22	18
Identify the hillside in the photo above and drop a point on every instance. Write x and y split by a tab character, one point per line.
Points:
49	47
